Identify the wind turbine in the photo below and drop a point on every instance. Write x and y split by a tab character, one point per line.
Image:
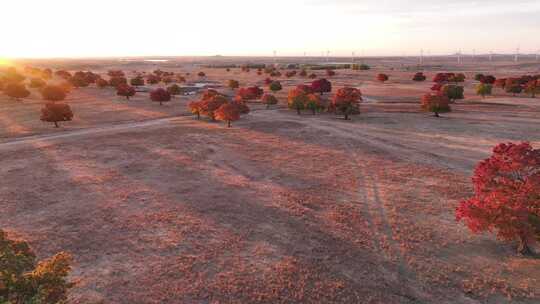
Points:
352	59
275	59
459	57
421	56
516	57
490	55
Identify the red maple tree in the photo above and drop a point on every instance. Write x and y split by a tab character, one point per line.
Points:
506	195
160	95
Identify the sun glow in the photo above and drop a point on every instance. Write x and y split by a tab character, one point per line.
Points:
5	62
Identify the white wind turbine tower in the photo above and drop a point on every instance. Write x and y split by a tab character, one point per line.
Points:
490	55
352	59
327	56
421	56
275	59
516	57
537	55
459	56
473	55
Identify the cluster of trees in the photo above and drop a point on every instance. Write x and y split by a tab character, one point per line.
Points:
24	279
345	101
517	85
218	107
443	87
506	196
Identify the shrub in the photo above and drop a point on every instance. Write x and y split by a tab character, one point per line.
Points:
55	112
303	73
483	89
364	67
459	77
440	77
101	83
233	84
312	76
137	81
53	93
209	93
269	100
117	81
25	280
201	74
321	86
512	86
63	74
313	103
12	76
242	107
489	79
37	83
330	73
290	74
160	95
16	90
209	107
382	77
66	86
436	103
174	89
227	112
125	90
500	83
346	101
506	195
250	93
275	86
195	108
419	77
78	82
180	78
533	87
479	77
297	99
115	73
453	92
153	79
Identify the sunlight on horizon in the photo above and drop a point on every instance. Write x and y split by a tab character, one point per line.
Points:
73	28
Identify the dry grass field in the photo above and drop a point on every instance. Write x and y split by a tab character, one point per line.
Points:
159	207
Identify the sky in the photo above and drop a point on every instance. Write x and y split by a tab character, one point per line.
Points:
104	28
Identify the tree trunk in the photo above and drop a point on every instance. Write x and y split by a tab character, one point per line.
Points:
267	106
198	116
523	247
228	123
436	114
160	103
346	116
127	97
298	111
56	124
313	110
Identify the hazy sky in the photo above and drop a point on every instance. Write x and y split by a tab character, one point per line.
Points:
77	28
